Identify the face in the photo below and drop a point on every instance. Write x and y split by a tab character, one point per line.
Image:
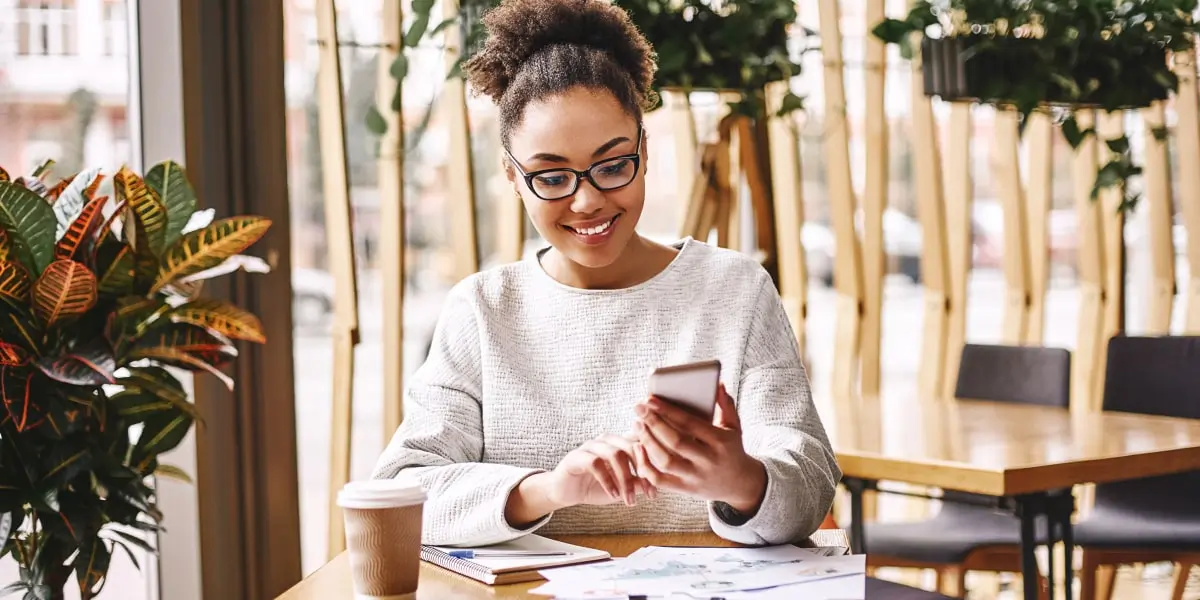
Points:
580	129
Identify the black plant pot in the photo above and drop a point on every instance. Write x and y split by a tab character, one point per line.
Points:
1013	70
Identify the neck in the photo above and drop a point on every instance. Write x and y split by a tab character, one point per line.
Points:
639	261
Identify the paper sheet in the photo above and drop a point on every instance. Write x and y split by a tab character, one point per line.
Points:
702	572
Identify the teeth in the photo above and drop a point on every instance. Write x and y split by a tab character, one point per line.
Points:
598	229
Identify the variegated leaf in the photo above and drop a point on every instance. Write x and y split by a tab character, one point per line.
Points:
244	262
12	355
81	230
210	346
6	245
29	222
162	432
15	388
53	194
118	277
220	316
90	365
73	199
14	283
169	180
43	169
35	185
161	384
135	406
183	360
4	175
151	214
208	247
91	567
67	289
173	472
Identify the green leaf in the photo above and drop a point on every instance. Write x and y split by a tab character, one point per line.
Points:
65	291
91	567
169	181
209	247
14	284
70	466
12	588
30	223
133	539
137	406
399	66
161	433
118	278
1160	133
221	317
6	528
892	31
16	390
1073	134
1109	175
790	103
417	30
1119	145
375	122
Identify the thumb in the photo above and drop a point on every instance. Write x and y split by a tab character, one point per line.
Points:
726	413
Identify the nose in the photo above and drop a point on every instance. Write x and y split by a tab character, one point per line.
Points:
587	198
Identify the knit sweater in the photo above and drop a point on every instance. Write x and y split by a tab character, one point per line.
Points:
523	369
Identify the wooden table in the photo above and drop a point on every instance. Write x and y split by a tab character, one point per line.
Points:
1027	458
332	581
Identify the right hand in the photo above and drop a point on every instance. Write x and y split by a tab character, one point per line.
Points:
601	471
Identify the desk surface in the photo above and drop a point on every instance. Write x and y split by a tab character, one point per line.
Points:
1003	449
332	581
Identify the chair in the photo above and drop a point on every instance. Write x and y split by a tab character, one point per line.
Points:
965	537
1153	519
881	589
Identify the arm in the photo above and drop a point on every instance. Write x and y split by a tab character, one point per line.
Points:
440	442
782	430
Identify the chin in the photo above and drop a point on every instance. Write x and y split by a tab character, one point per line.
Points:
592	253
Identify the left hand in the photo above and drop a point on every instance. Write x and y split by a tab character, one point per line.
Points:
681	452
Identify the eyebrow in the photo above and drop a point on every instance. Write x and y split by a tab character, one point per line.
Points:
609	145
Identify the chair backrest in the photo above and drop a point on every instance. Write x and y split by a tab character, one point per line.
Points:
1021	374
1153	376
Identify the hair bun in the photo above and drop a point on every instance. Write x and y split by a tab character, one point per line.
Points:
519	29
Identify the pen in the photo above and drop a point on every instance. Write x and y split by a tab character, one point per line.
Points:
502	553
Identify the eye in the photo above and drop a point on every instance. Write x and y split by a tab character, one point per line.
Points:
614	168
551	179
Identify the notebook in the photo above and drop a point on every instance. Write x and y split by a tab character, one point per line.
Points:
504	570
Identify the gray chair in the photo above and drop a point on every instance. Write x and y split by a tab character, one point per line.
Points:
965	537
1158	518
881	589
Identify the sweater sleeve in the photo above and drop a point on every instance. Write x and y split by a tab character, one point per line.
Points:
781	428
440	441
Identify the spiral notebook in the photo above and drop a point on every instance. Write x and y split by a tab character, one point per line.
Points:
504	570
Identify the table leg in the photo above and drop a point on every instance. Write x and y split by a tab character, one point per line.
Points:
858	535
1066	506
1027	511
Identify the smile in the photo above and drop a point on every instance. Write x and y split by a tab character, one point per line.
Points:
596	231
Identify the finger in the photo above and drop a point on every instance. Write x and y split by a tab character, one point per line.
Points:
620	464
598	467
654	478
676	441
684	421
726	415
661	455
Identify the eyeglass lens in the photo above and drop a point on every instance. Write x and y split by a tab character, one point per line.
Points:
605	175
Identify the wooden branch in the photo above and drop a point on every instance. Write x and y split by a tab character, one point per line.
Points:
1091	268
958	200
788	203
459	171
1007	166
1112	231
1187	132
1038	197
340	239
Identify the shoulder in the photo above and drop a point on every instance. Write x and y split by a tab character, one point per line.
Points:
491	287
726	268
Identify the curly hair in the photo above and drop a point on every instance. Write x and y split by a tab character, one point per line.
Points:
537	48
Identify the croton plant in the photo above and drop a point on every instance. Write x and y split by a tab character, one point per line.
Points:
99	299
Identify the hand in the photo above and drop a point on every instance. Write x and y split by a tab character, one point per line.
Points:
601	471
681	452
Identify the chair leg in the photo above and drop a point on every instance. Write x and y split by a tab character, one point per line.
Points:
952	581
1106	581
1181	579
1087	576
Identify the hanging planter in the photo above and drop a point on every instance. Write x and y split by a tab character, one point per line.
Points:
1053	55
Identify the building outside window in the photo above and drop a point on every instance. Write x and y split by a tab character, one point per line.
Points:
47	28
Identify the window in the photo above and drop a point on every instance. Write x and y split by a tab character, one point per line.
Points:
47	28
115	43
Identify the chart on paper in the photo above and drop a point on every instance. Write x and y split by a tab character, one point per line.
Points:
662	570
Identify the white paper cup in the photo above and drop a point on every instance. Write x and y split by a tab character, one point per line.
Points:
383	536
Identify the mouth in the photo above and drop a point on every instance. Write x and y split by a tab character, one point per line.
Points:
594	233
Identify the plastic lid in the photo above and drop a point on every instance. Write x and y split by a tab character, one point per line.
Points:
381	493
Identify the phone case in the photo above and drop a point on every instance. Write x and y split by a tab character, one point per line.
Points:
693	385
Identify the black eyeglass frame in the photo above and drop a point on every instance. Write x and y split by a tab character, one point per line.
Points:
636	158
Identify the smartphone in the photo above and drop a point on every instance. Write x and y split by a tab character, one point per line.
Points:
692	386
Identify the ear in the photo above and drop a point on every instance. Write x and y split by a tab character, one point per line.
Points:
509	172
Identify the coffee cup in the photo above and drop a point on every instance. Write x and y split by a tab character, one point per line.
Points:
383	536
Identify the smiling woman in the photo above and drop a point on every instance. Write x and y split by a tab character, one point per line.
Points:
531	411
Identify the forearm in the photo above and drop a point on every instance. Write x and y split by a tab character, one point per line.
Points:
746	494
530	501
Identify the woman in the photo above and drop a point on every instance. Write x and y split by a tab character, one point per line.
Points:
530	413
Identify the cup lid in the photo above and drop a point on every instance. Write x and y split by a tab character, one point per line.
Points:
381	493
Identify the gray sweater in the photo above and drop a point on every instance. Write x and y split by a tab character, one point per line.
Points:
524	369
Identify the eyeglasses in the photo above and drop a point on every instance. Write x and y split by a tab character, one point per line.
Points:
607	175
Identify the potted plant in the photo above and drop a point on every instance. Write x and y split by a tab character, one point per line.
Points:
726	45
1057	55
98	298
